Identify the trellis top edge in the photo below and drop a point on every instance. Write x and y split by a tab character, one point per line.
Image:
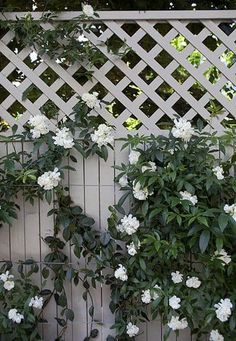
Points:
135	15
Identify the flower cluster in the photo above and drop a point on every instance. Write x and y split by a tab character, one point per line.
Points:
148	295
223	256
49	180
7	280
91	100
193	282
176	324
15	316
132	329
36	302
139	192
121	273
64	138
123	181
39	125
216	336
132	249
223	309
151	167
129	224
219	172
174	302
189	197
87	10
182	129
133	157
231	210
103	135
176	277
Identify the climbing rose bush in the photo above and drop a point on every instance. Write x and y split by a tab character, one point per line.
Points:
174	229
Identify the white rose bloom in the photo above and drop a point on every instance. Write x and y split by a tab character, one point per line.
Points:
5	276
182	129
193	282
174	302
155	294
219	172
176	324
129	224
216	336
91	100
64	138
103	135
146	296
133	157
231	210
123	181
49	180
8	285
39	124
176	277
121	273
36	302
223	309
15	316
223	256
132	250
140	193
132	329
188	196
88	10
150	167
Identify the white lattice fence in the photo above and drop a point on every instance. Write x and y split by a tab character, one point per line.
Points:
144	84
150	37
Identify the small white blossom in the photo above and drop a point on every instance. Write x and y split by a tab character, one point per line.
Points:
87	10
15	316
91	100
223	256
219	172
6	276
193	282
133	157
123	181
103	135
216	336
139	192
132	250
8	285
231	210
39	124
150	167
121	273
36	302
64	138
49	180
146	296
223	309
189	197
176	277
132	329
171	151
176	324
129	224
182	129
174	302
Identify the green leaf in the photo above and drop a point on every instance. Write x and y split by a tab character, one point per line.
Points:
223	221
142	264
105	238
204	240
48	196
69	314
